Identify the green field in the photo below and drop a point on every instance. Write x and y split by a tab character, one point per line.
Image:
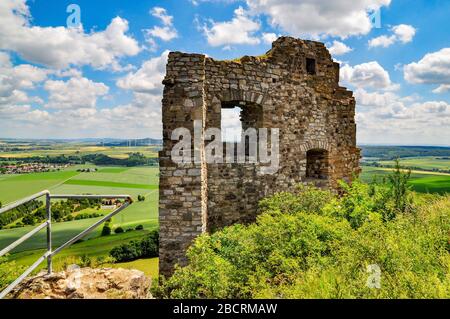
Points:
427	163
135	175
115	170
422	182
148	266
108	184
15	187
79	149
139	180
107	180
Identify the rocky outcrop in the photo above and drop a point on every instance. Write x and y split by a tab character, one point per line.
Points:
86	283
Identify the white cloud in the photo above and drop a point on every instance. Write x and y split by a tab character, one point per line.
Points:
374	99
339	48
384	117
367	75
37	116
433	68
269	37
161	14
68	73
72	110
147	119
401	33
76	93
8	112
124	121
240	30
147	79
440	107
60	47
405	33
318	18
442	89
166	32
16	80
143	114
382	41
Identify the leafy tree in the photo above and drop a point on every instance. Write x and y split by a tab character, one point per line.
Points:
145	248
29	220
19	212
126	252
106	230
399	188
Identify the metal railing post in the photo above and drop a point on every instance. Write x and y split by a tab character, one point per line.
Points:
48	224
49	234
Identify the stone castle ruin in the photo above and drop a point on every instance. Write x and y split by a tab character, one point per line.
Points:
293	87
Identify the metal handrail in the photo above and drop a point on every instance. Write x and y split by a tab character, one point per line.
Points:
48	224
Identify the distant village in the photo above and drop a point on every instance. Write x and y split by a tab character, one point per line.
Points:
26	168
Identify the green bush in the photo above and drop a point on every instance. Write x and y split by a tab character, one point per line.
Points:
118	230
106	230
307	199
312	244
139	227
9	272
85	261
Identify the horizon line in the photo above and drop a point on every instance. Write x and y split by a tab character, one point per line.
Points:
153	138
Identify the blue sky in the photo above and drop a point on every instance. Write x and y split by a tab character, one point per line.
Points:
103	79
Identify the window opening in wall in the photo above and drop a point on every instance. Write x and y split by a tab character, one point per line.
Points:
311	66
231	124
317	164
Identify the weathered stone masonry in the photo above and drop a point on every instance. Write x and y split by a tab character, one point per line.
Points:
293	87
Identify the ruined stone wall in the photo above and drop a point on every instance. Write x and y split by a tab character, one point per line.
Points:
276	90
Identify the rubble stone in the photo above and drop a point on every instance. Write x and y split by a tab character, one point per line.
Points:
85	283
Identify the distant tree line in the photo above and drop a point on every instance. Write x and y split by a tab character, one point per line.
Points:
35	212
134	159
60	159
18	212
393	152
